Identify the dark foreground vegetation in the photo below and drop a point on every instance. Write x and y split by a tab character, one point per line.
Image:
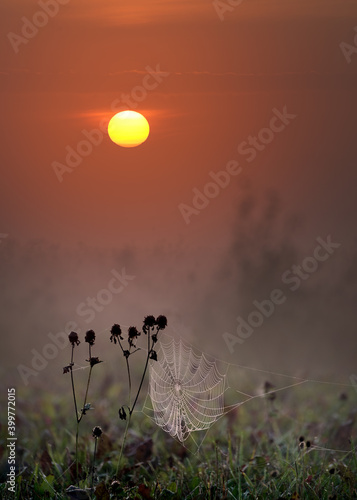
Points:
99	442
264	449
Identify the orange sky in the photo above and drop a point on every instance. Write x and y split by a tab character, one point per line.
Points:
212	84
224	78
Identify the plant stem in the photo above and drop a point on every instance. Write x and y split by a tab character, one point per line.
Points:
86	394
76	411
79	418
73	390
129	416
144	372
129	379
131	409
123	442
87	388
77	432
95	450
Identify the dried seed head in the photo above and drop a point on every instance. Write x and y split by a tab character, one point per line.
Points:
73	338
115	333
133	332
122	413
94	361
90	337
161	322
149	321
153	355
67	369
97	432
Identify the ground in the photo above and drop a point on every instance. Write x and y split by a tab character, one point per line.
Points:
294	444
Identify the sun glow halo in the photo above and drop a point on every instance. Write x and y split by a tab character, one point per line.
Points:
128	129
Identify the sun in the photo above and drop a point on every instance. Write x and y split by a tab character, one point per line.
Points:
128	129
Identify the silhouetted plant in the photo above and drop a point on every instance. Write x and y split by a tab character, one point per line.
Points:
74	340
96	433
151	328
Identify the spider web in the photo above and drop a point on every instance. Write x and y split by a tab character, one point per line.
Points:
188	389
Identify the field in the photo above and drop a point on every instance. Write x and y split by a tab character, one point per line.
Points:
293	444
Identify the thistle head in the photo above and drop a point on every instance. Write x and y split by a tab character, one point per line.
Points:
161	322
115	333
73	338
97	432
90	337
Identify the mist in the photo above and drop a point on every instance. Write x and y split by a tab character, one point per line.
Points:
206	294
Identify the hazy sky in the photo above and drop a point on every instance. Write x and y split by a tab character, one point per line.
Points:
265	90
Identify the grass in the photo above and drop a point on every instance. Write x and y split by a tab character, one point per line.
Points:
253	452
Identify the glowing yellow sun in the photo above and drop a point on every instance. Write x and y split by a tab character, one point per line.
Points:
128	129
